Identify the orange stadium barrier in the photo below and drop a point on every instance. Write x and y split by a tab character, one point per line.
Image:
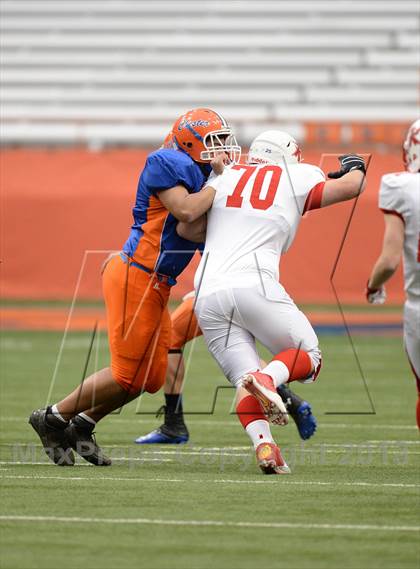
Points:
355	134
60	203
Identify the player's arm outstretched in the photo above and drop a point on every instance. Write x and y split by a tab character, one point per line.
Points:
347	183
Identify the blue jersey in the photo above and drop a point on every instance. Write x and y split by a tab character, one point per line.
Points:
153	241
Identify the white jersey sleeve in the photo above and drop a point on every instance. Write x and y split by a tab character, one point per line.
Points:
392	196
315	178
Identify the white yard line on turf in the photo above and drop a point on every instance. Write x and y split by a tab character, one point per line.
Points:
392	442
207	523
321	448
309	446
215	481
234	422
173	450
349	449
192	447
196	449
178	454
47	463
374	446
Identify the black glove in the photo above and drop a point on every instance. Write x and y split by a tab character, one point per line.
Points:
348	162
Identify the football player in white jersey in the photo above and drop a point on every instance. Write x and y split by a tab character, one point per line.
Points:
253	220
399	199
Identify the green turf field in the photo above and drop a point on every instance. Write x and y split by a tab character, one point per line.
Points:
351	502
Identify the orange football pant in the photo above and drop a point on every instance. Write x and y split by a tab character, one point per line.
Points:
184	325
139	326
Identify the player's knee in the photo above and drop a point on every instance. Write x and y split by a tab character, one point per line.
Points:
316	360
134	385
152	378
133	378
316	357
126	381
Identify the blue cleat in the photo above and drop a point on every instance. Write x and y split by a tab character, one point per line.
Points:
300	411
164	436
305	421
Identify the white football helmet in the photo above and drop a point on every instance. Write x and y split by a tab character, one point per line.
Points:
411	148
274	147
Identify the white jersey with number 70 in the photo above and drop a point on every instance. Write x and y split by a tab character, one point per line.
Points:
254	218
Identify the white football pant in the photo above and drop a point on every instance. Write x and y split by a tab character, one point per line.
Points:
232	319
412	336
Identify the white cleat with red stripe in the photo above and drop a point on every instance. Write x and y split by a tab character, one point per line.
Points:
262	387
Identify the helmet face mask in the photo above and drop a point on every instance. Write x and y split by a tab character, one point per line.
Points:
274	147
221	141
411	148
202	133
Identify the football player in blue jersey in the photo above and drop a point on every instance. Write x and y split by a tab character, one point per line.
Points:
137	284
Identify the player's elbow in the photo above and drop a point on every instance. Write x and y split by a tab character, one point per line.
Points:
185	215
190	217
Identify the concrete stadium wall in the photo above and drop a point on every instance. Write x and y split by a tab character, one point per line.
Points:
59	203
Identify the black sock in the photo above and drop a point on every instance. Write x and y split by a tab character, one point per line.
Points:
291	399
174	404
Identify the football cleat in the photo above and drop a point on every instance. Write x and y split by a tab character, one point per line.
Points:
262	387
305	421
270	460
173	431
52	432
82	439
165	435
300	411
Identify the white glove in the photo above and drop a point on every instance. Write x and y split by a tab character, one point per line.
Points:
376	296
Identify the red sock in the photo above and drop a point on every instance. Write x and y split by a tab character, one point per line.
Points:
297	362
249	409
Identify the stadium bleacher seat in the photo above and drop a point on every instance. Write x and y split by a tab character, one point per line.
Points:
120	71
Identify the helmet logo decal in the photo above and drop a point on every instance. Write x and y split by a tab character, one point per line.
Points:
191	124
